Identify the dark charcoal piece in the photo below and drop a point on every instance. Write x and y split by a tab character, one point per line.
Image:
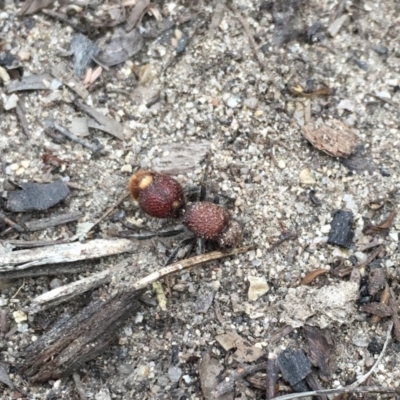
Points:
374	347
294	366
37	196
342	231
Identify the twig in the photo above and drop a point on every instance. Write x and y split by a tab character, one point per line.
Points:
347	271
288	236
44	223
353	388
64	253
20	109
60	17
11	223
67	292
250	37
363	378
52	124
185	264
227	385
109	211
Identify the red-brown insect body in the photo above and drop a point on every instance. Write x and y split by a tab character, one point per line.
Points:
206	220
159	195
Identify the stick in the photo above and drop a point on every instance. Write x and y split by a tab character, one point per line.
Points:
44	223
11	223
52	124
67	292
109	211
70	252
185	264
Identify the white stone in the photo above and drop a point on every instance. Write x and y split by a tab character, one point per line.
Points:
258	287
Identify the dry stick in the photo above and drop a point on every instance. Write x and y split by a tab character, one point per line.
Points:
61	219
71	290
61	17
227	386
353	388
249	35
64	253
347	271
11	223
71	136
109	211
67	292
20	109
185	264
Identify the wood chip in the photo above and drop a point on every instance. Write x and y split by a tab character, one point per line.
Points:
379	309
333	138
245	352
62	72
31	82
209	370
178	159
321	346
101	121
64	253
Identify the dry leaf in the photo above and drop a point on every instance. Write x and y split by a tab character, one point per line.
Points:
370	229
335	139
245	352
379	309
312	275
120	47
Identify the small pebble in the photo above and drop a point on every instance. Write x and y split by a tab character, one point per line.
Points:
55	283
258	287
380	49
127	168
174	374
20	171
306	177
233	102
281	164
11	102
251	103
19	316
24	55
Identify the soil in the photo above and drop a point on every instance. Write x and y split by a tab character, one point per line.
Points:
214	94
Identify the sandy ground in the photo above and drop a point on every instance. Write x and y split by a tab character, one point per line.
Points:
216	94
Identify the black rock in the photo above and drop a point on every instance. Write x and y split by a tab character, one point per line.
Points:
294	366
342	231
37	196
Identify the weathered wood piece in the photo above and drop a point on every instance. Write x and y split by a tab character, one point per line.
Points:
78	339
44	223
63	253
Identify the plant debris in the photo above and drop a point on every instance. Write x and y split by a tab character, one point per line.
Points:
333	138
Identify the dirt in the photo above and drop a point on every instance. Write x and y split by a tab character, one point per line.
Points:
214	93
